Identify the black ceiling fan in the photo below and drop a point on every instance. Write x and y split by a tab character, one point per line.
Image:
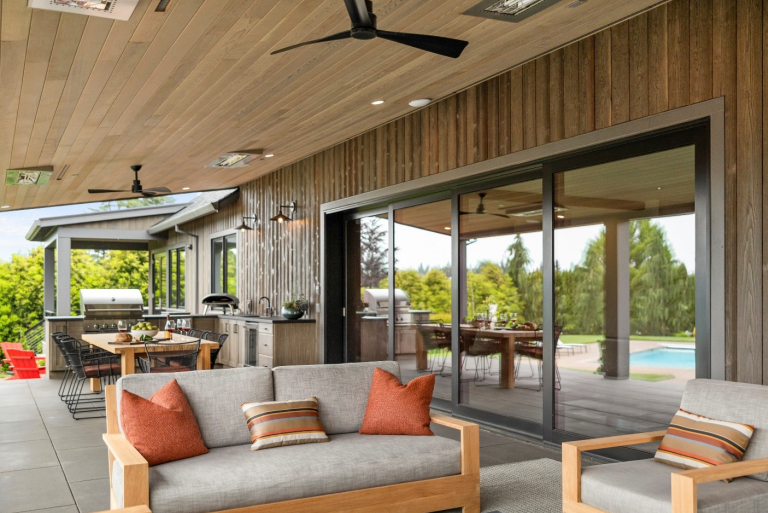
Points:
364	28
136	188
481	209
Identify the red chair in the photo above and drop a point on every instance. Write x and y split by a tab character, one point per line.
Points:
24	364
5	346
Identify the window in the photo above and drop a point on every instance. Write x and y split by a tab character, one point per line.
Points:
169	270
224	262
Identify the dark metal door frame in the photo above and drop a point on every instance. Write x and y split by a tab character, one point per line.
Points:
709	251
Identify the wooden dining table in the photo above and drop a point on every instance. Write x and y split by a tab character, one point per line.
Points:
128	352
506	339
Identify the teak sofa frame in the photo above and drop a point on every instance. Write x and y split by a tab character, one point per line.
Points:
459	491
684	482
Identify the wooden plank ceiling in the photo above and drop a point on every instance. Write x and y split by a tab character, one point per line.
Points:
175	90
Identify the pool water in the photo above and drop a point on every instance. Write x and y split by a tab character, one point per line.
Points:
665	357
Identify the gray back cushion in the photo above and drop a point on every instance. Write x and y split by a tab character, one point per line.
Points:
215	397
734	402
341	390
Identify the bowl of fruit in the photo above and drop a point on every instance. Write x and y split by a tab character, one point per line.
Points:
144	331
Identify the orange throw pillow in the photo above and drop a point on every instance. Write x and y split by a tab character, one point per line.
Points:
162	428
397	409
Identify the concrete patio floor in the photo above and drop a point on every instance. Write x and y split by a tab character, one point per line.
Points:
51	463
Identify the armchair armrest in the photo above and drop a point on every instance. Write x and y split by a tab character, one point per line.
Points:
572	459
684	493
470	442
135	470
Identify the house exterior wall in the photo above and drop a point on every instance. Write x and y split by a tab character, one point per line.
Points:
680	53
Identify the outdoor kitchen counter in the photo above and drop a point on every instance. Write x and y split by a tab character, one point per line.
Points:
246	318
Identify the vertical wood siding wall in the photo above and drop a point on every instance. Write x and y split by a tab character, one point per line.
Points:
680	53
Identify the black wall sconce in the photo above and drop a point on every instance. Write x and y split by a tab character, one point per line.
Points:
282	218
244	226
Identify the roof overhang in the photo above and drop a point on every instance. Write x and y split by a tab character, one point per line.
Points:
42	229
205	204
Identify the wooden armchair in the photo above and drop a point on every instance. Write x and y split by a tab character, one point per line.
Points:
684	482
660	487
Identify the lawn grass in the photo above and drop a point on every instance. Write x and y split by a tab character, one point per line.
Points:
651	377
591	339
639	376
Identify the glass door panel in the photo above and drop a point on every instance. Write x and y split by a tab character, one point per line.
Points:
625	252
367	294
423	293
500	250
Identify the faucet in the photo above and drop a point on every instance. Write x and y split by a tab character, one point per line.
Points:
269	311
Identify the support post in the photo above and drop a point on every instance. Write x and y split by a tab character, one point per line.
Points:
616	283
49	277
64	276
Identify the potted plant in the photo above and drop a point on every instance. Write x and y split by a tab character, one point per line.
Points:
295	308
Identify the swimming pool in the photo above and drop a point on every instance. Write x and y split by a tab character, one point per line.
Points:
665	357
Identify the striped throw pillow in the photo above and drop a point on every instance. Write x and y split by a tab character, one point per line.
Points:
277	423
694	441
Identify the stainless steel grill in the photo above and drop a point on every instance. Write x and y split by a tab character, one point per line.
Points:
100	304
378	303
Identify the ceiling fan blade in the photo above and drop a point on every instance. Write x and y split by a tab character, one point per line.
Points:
435	44
148	194
104	191
358	13
334	37
158	190
500	215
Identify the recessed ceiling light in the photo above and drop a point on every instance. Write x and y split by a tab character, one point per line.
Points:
185	188
560	216
269	155
447	227
6	206
420	103
377	102
658	188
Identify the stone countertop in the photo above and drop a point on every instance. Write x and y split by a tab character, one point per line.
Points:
247	318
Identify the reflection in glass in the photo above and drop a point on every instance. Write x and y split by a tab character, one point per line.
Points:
217	284
423	293
624	292
172	289
160	273
231	264
182	277
367	302
500	245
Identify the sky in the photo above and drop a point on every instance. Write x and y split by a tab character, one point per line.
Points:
431	249
14	225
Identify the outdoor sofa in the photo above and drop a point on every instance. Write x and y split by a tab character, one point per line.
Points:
646	486
352	472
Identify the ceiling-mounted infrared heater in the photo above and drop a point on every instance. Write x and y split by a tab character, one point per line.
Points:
509	10
112	9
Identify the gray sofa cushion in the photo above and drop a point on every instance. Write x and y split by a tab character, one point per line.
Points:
235	477
734	402
645	487
341	390
215	397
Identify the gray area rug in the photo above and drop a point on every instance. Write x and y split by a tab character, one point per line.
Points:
527	487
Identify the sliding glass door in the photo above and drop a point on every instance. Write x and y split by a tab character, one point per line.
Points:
500	284
625	286
566	299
